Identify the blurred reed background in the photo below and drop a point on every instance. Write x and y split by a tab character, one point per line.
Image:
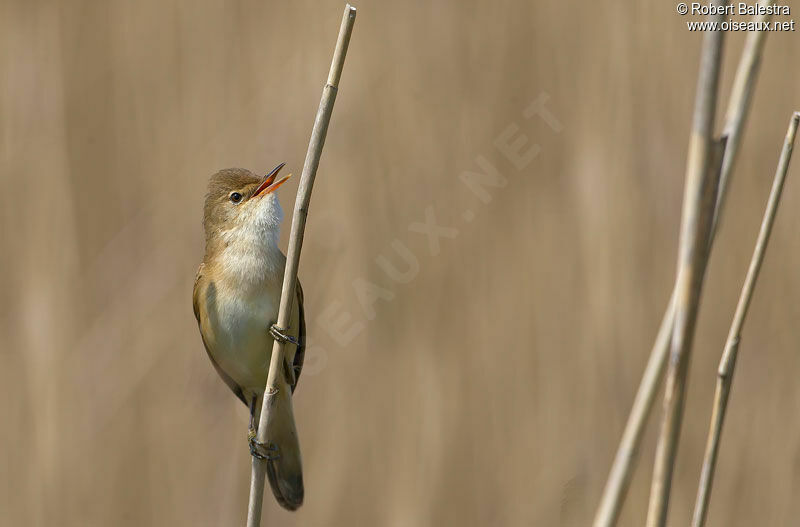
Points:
492	386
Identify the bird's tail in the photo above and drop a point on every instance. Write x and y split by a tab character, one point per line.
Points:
284	469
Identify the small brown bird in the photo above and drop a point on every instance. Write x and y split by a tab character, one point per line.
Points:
236	297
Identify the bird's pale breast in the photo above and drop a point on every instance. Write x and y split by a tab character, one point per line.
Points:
243	345
235	324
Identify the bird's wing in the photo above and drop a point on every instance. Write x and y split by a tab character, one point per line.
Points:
200	283
300	353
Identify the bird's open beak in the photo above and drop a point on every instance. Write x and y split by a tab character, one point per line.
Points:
269	184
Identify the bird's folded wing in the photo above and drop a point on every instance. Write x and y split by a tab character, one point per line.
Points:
200	283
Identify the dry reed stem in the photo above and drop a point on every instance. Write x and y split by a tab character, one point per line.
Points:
728	361
313	155
741	94
699	202
619	477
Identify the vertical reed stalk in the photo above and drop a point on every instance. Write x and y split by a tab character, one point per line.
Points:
699	202
728	361
313	155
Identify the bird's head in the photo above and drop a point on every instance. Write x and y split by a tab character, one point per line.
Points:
242	207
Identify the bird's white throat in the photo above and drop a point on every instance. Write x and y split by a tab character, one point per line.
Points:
251	254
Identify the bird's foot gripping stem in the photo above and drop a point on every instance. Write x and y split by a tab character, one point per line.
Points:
265	451
281	335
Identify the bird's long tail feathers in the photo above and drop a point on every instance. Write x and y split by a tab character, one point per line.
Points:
285	471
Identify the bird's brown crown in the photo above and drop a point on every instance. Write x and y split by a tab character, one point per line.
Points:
221	185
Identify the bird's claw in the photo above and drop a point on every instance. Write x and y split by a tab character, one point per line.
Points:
280	334
265	451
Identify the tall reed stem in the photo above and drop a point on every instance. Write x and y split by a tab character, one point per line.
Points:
313	155
728	361
699	202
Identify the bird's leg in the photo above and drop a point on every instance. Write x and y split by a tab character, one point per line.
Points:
259	450
251	433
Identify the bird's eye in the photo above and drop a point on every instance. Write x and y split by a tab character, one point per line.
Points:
235	197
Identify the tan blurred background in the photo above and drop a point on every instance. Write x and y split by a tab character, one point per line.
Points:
489	389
